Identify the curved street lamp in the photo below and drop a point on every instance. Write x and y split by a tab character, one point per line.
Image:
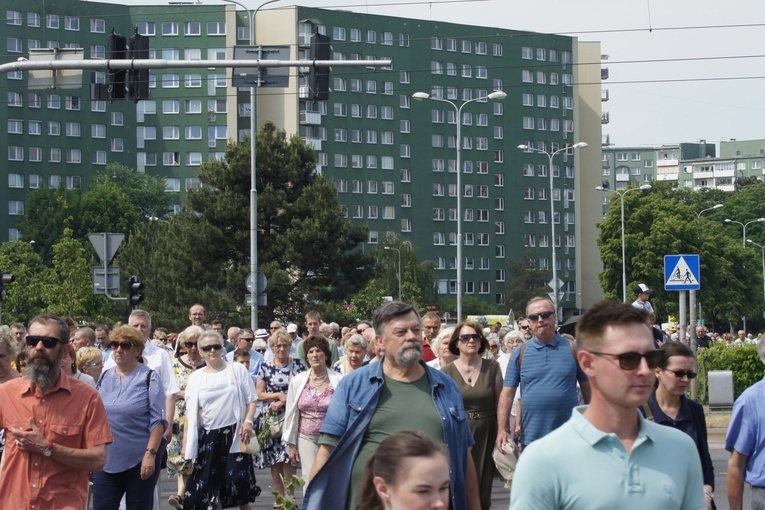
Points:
423	96
550	156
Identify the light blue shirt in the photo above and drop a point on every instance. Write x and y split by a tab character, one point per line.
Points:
135	405
746	434
579	467
256	359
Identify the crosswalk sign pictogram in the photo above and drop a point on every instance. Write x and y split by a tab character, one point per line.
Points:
682	272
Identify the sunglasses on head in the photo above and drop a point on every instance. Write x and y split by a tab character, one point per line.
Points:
212	347
631	360
470	336
545	315
680	374
125	346
49	342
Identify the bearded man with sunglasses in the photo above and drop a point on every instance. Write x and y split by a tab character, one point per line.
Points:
56	427
546	369
607	455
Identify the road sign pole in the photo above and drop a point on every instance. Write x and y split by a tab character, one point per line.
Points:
692	304
682	318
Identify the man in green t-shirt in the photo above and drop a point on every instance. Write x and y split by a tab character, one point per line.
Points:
373	402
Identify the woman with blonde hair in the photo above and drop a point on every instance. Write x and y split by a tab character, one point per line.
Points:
69	365
90	361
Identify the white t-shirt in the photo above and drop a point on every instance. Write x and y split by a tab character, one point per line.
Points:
158	360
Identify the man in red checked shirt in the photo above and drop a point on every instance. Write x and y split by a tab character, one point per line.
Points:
431	326
56	428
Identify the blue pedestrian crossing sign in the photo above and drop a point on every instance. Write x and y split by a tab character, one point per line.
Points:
682	272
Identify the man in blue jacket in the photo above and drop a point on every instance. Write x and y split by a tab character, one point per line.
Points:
399	392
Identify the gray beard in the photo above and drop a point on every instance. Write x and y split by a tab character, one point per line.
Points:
42	375
407	356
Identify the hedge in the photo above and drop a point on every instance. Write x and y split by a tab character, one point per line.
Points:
744	361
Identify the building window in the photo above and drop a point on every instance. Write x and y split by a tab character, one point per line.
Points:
169	28
216	28
15	207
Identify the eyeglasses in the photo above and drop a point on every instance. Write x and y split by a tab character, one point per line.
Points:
247	338
535	316
189	345
211	347
680	374
95	364
493	347
631	360
125	346
260	350
527	327
274	328
49	342
470	336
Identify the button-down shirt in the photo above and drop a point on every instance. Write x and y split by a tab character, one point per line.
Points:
348	417
745	432
256	359
72	415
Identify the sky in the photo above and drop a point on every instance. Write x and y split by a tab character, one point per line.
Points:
680	70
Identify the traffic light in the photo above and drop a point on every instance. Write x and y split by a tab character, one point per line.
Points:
5	278
318	82
116	80
139	78
134	292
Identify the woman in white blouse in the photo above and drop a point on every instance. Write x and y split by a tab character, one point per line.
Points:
220	407
308	398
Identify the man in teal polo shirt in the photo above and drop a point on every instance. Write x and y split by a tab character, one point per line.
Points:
607	455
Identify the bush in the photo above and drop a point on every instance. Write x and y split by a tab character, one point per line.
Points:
743	361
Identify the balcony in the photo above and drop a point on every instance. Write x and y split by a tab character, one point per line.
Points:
667	162
667	177
603	73
310	118
605	118
622	177
304	92
724	173
703	174
314	143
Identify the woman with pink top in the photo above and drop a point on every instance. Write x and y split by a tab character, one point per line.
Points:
307	401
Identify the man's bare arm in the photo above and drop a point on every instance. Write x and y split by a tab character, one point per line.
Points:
503	414
734	482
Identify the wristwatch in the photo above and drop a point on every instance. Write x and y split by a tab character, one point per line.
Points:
151	451
48	451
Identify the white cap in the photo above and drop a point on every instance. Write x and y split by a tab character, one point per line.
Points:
291	328
261	333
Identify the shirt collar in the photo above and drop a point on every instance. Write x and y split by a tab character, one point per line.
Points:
593	435
554	343
376	372
61	384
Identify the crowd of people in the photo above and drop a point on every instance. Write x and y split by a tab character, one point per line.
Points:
397	412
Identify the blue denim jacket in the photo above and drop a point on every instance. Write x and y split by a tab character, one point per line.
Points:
348	416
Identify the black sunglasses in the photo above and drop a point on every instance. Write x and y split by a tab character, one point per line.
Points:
49	342
247	339
470	336
680	374
212	347
631	360
527	327
126	346
189	345
545	315
260	350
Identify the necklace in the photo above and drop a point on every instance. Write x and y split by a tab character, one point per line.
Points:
469	375
194	363
317	381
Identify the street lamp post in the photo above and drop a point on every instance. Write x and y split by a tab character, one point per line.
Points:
422	96
624	258
744	225
399	269
253	183
550	156
762	249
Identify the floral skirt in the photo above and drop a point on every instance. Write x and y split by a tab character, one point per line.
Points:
220	476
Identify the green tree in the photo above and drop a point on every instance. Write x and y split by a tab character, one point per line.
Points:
306	248
27	294
525	282
663	222
72	294
145	192
368	299
47	212
106	207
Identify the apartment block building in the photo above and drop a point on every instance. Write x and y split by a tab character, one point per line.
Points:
393	159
